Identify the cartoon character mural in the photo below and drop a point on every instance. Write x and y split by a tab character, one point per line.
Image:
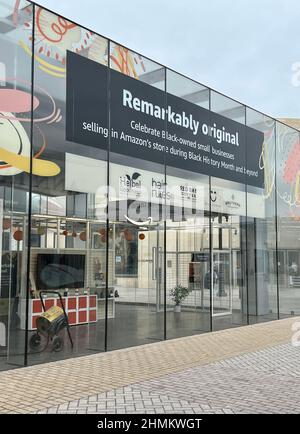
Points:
54	35
14	141
288	170
16	107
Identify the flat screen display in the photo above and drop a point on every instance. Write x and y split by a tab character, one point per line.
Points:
59	271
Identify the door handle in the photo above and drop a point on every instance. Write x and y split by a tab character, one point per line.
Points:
153	263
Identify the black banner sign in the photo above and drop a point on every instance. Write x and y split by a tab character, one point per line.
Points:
87	101
152	125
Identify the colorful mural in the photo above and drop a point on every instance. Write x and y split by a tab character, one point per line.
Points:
128	63
54	36
15	111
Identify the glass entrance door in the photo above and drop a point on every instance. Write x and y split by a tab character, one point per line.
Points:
138	282
150	266
221	277
222	274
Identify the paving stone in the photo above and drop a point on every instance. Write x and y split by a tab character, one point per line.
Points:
240	370
247	384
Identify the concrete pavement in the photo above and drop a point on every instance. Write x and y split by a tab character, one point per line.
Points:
248	369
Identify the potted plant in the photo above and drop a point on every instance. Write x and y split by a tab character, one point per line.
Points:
178	294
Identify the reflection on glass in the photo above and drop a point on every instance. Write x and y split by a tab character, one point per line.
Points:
227	107
187	89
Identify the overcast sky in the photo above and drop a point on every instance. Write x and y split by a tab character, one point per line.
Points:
243	48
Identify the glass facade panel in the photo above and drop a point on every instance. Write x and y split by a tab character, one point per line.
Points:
15	138
228	254
261	228
68	253
187	89
136	207
141	202
228	217
187	222
287	174
227	107
136	66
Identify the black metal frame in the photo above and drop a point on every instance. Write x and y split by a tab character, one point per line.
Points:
63	308
30	197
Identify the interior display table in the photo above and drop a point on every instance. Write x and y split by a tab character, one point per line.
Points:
81	309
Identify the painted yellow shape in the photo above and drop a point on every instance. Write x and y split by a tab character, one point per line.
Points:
48	71
21	162
41	61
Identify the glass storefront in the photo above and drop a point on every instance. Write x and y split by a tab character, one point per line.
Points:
145	204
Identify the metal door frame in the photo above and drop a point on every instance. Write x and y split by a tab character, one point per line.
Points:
229	250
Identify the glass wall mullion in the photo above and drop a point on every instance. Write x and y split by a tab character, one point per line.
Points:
210	243
246	232
276	228
28	247
165	221
108	204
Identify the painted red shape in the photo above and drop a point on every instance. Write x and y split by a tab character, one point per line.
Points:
16	101
292	165
55	31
